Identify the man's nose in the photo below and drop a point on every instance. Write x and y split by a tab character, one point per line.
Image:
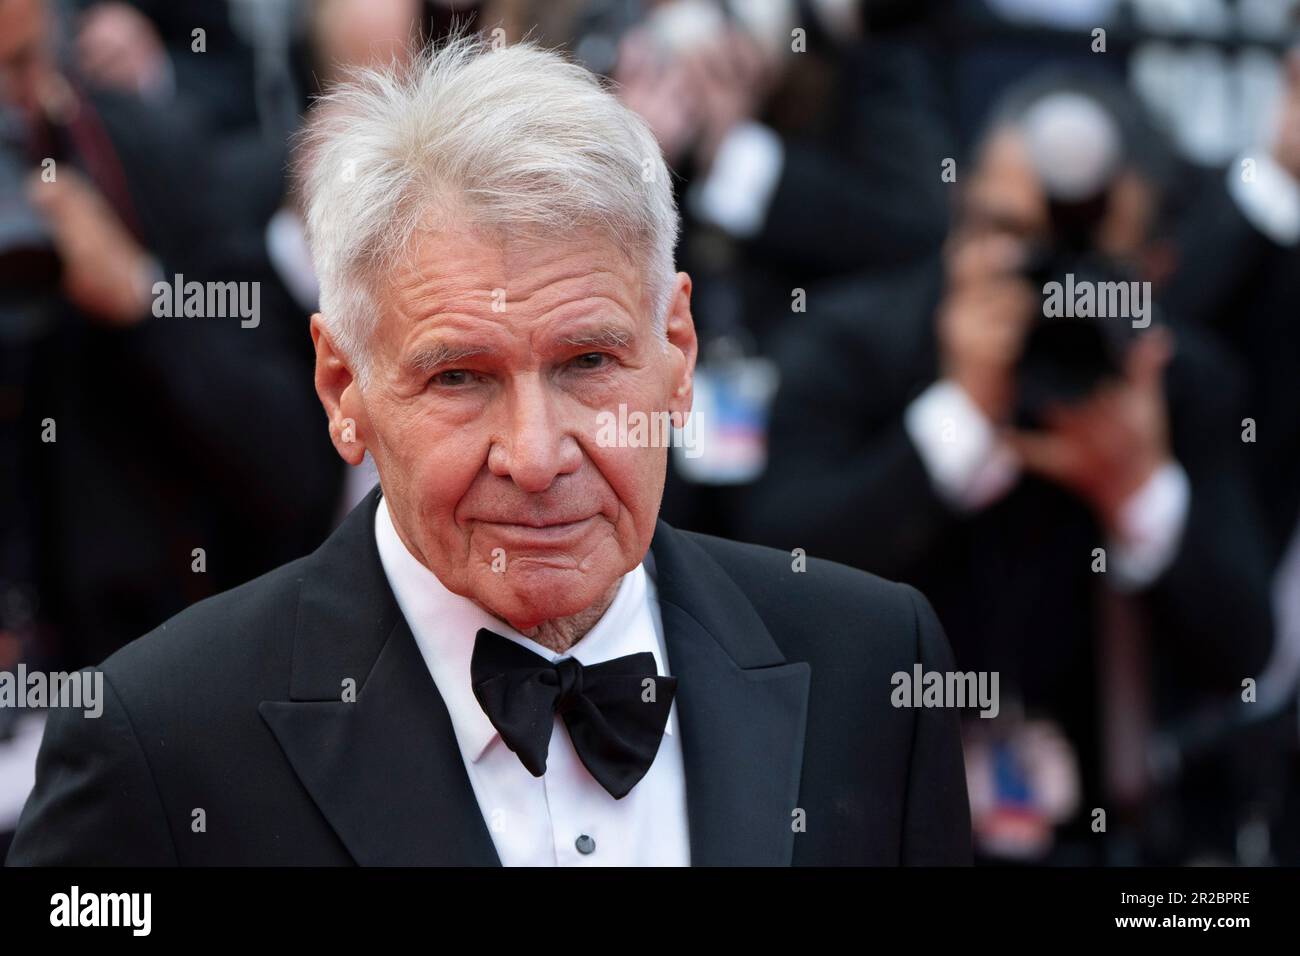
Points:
533	447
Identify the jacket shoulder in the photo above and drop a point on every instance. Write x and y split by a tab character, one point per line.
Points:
234	636
794	592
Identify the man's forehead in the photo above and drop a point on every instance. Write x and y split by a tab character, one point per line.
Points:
473	272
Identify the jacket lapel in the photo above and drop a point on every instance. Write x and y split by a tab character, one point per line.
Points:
741	707
385	770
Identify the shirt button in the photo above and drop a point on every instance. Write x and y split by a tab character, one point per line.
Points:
585	844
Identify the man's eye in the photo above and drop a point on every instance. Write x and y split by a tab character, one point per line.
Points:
453	378
591	360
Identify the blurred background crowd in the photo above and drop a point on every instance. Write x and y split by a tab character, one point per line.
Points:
874	194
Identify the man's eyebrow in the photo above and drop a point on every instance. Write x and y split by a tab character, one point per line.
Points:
435	356
607	337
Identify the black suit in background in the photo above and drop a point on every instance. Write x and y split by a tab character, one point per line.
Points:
216	83
234	706
1238	284
174	434
862	191
859	190
1013	584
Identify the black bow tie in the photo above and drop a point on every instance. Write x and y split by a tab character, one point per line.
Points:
615	718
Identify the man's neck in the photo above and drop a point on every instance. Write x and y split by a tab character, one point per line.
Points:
561	633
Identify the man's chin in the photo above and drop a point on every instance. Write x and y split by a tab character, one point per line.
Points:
527	595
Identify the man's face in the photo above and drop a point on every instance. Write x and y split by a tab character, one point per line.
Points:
1006	198
490	365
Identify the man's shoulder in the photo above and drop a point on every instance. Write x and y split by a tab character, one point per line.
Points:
796	592
232	637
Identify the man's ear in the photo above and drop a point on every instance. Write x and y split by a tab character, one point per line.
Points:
682	346
337	388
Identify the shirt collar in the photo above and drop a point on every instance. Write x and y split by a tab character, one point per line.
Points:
444	625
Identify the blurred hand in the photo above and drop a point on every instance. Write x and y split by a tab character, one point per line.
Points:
118	48
1286	146
657	91
1108	446
729	76
983	318
105	271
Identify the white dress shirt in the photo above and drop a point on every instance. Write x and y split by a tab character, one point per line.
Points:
1270	200
540	821
736	193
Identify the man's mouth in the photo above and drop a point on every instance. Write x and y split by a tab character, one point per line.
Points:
542	529
540	522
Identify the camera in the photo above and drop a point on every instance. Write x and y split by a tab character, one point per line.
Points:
1091	302
1066	357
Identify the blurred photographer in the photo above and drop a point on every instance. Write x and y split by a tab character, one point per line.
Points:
805	136
161	457
1061	475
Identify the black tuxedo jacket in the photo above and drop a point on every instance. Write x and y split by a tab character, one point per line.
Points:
234	708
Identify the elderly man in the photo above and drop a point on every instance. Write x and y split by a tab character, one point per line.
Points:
502	656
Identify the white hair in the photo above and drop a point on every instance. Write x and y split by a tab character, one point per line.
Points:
514	138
